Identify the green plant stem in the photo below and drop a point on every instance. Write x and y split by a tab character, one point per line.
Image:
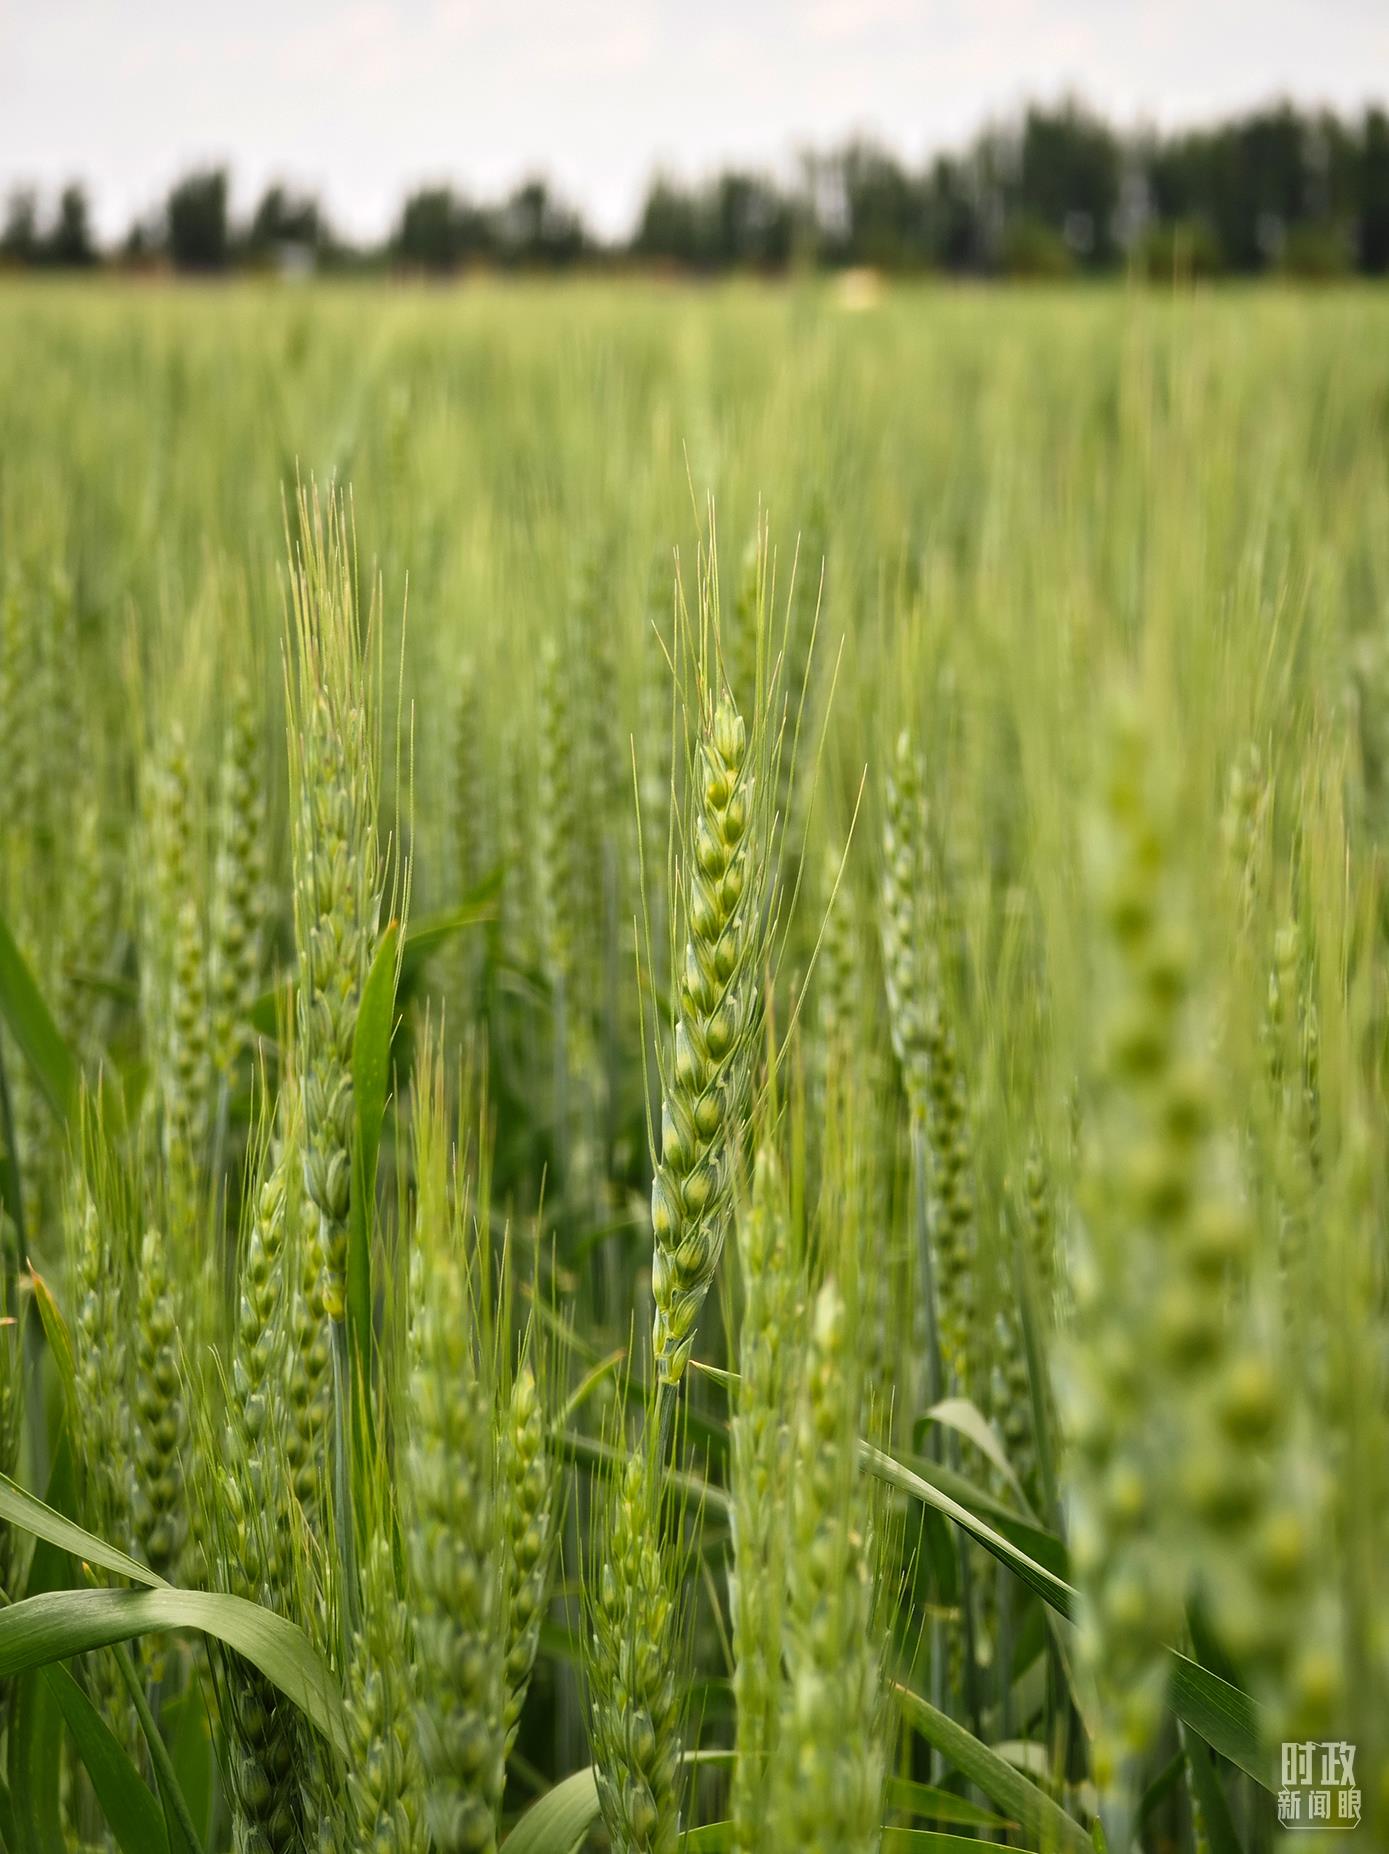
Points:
665	1411
175	1803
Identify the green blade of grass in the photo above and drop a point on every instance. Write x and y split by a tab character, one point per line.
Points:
423	939
1224	1716
557	1822
1221	1834
183	1837
131	1811
930	1841
930	1804
969	1421
1044	1820
61	1623
188	1728
1051	1588
434	931
34	1767
36	1036
31	1515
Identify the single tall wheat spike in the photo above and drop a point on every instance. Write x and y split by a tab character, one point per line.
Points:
557	831
337	869
924	1042
702	1113
174	966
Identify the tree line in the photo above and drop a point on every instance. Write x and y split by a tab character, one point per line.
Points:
1056	191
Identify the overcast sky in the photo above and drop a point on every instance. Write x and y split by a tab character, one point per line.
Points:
363	98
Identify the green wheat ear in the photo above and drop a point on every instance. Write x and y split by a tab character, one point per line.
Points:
829	1766
332	697
454	1542
727	896
529	1492
634	1654
700	1115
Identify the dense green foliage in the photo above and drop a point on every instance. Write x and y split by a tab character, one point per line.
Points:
751	1158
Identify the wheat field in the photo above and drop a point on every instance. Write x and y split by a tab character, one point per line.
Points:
693	1061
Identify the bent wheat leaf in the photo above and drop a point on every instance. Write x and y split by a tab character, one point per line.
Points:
61	1623
30	1514
558	1822
1051	1588
932	1841
1222	1714
1045	1821
929	1804
969	1421
425	937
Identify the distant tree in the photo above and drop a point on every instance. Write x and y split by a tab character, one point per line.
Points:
283	219
536	228
196	228
884	212
438	231
1332	156
1068	179
953	230
668	224
749	222
1372	194
1302	192
1250	180
19	241
70	244
736	220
